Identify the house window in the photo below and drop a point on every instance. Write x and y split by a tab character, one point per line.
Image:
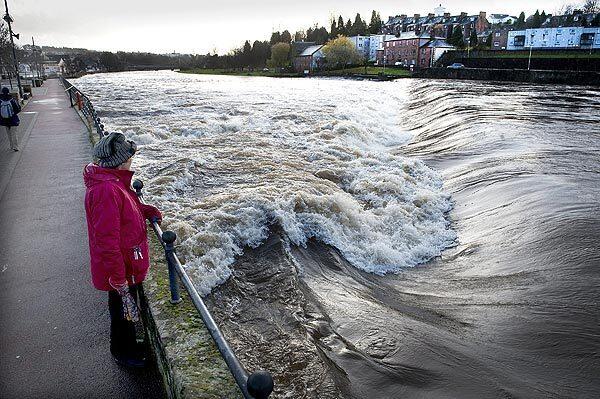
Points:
496	44
587	39
497	34
519	41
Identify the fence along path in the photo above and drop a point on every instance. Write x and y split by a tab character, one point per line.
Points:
54	325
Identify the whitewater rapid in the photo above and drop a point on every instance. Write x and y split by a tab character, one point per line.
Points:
228	159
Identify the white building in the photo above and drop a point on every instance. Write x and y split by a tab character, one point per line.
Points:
362	44
439	11
496	19
376	43
367	45
554	38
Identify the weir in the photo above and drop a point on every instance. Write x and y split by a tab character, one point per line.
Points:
257	385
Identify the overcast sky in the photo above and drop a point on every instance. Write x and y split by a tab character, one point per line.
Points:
197	26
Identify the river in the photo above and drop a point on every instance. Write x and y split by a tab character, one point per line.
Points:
414	239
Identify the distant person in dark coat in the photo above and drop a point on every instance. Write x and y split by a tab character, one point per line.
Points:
9	108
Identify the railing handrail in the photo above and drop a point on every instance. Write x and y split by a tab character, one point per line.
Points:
257	385
85	106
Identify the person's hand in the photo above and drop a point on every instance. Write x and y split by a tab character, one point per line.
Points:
154	214
130	308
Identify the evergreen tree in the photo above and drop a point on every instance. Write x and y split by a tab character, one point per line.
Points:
341	29
520	24
246	54
359	27
535	20
596	21
317	34
286	36
275	38
473	41
488	41
299	36
543	17
322	36
457	38
261	51
375	24
333	32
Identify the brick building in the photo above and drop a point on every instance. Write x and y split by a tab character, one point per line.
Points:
499	39
411	50
437	25
309	60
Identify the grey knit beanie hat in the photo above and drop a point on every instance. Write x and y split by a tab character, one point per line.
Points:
114	149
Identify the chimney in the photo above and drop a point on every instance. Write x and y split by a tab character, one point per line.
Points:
417	16
446	15
482	14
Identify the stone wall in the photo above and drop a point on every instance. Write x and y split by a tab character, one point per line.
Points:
187	357
508	75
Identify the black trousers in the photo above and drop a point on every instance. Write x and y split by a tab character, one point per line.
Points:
122	332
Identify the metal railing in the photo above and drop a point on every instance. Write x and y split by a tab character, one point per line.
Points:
83	103
257	385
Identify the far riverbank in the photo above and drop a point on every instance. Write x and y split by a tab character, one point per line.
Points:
369	72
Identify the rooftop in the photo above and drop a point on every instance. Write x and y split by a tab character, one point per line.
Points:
311	50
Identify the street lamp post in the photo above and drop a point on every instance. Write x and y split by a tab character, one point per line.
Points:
36	60
530	49
9	21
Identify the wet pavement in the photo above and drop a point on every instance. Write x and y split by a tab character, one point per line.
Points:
54	324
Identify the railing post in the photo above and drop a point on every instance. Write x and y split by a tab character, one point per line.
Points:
70	98
169	238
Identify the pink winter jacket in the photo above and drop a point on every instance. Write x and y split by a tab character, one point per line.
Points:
116	227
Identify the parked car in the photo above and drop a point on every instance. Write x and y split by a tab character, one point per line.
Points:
265	69
398	63
456	65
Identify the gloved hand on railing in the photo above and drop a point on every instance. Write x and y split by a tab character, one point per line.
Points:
130	308
152	213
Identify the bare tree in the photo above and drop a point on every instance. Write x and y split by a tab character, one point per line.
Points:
566	9
591	6
6	64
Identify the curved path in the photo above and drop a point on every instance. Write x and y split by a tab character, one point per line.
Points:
54	325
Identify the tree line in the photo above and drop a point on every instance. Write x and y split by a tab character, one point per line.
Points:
277	51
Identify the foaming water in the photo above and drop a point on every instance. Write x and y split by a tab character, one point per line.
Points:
309	206
229	158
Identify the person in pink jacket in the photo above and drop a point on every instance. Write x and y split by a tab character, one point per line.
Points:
118	240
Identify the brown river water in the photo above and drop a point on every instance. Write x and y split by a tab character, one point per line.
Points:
407	239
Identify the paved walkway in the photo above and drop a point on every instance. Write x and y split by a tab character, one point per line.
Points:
53	324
